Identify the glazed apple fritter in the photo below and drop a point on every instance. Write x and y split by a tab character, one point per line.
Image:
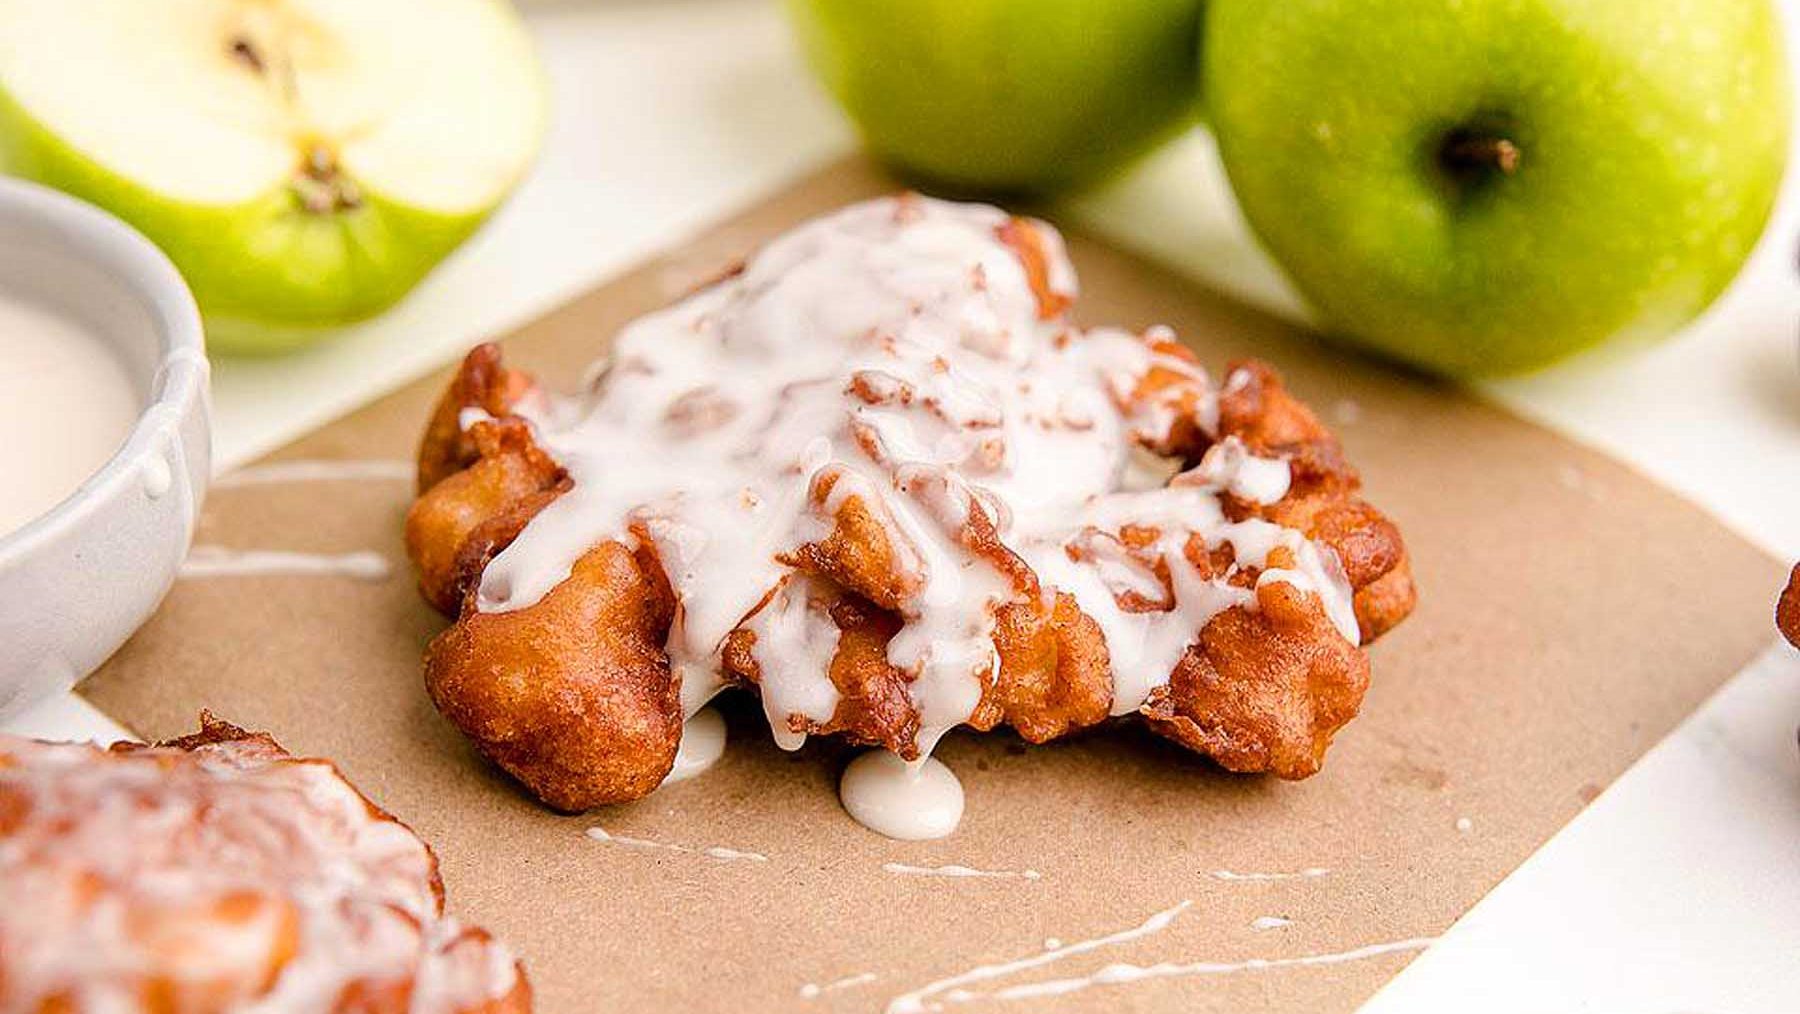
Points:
575	693
218	873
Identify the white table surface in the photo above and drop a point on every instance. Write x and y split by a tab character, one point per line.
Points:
1677	890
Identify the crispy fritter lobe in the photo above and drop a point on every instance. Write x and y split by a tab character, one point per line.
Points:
572	696
482	384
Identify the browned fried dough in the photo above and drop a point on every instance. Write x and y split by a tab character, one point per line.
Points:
572	695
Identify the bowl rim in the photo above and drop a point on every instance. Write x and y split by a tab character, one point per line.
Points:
182	369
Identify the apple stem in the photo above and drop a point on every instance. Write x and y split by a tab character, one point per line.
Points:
1465	154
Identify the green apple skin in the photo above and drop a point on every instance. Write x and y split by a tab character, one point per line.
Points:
267	275
1006	96
1650	137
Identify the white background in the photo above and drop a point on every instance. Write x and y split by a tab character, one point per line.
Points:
1677	890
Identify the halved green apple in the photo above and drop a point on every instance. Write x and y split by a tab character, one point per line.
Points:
303	162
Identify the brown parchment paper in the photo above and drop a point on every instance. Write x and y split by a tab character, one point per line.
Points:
1570	614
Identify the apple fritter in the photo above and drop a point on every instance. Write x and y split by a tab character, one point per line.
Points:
217	873
878	478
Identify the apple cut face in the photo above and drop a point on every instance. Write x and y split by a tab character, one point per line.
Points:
304	162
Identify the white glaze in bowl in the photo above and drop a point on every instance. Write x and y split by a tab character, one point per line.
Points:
78	580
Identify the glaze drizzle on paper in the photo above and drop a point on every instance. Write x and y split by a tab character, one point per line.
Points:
959	871
934	996
319	470
718	852
217	561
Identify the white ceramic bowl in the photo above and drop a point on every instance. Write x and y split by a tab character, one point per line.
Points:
75	582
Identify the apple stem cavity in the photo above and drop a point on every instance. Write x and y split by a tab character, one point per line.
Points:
1470	156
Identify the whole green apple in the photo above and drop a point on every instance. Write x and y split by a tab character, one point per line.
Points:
303	162
1485	186
1006	95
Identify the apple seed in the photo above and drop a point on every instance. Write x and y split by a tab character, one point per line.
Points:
322	187
244	52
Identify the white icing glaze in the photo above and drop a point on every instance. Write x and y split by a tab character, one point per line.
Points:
910	802
955	987
956	871
1269	922
702	744
1229	465
233	869
812	991
963	987
1464	825
718	852
1122	973
319	470
1306	874
795	639
897	353
216	561
728	854
69	410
